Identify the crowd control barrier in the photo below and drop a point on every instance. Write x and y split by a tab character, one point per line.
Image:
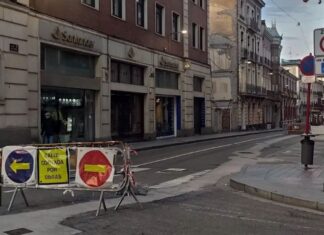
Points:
89	166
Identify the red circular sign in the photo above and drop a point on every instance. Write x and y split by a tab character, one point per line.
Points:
94	168
321	44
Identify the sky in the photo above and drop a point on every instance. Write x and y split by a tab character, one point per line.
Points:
296	21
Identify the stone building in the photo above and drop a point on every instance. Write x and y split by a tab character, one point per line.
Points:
136	70
245	59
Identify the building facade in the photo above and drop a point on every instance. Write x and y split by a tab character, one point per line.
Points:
317	105
125	74
245	61
137	70
288	90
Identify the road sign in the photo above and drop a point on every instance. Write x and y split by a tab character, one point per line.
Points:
319	66
307	66
95	167
319	42
308	79
18	165
53	167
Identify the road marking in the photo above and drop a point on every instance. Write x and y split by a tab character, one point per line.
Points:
202	150
139	169
178	181
175	169
182	155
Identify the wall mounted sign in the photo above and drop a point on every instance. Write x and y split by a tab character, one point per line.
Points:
64	36
166	63
14	47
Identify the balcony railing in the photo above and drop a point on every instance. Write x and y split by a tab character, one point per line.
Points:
253	25
244	53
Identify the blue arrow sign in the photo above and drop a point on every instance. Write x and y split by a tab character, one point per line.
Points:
19	166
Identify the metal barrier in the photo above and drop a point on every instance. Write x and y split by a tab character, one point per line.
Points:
122	153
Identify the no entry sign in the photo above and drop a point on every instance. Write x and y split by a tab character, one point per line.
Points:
319	42
95	167
18	165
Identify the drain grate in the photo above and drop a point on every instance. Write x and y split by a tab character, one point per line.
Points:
18	231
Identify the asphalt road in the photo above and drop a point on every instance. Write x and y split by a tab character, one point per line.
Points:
155	166
216	210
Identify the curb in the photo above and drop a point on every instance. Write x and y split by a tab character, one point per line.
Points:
294	201
203	140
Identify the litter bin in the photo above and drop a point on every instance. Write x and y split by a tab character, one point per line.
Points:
307	151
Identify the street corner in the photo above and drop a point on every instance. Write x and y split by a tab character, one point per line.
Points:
285	183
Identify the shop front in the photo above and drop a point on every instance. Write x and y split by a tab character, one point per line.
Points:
127	115
69	84
167	104
71	111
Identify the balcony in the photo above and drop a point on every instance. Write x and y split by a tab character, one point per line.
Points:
255	91
253	25
244	53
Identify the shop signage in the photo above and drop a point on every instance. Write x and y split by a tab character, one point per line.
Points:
94	167
64	36
18	165
53	166
165	63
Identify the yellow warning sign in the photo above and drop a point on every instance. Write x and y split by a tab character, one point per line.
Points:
53	166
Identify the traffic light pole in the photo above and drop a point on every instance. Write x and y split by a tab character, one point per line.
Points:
307	127
307	148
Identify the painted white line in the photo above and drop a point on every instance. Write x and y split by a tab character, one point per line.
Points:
175	169
179	181
134	169
182	155
202	150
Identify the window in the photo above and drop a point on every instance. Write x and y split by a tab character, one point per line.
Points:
141	13
67	62
118	8
91	3
166	79
202	4
194	35
127	73
198	83
159	19
201	38
175	27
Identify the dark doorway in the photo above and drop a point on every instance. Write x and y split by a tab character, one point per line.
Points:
199	114
127	116
226	120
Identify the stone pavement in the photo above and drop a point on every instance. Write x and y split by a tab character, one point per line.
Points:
286	180
152	144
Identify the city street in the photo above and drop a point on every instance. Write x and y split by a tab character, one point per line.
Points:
189	188
153	167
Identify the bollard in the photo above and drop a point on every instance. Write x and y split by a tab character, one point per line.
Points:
307	151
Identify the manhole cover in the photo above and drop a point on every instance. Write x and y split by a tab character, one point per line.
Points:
18	231
246	152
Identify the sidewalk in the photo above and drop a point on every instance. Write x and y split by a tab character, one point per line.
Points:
172	141
286	181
